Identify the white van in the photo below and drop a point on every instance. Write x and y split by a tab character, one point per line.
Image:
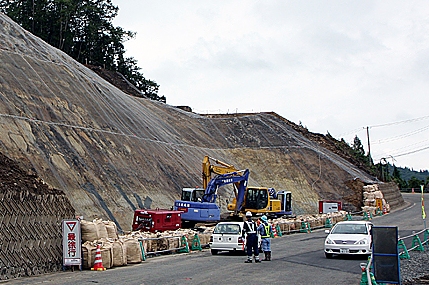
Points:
227	237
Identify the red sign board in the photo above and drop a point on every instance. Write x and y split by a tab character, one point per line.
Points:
71	243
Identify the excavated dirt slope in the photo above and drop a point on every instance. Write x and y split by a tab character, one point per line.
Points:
112	153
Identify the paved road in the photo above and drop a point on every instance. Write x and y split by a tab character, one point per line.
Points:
297	259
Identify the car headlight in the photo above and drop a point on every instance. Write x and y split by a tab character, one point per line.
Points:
362	241
329	241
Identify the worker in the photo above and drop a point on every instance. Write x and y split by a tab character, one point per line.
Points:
250	232
265	231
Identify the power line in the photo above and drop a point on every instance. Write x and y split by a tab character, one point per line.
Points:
352	132
417	150
400	122
384	125
411	152
401	136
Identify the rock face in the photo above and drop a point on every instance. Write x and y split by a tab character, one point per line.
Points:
112	153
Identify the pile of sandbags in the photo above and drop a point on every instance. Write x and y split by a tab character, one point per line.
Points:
120	250
370	195
115	251
171	240
89	251
289	225
94	230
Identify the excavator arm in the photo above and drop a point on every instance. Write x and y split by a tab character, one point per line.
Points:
220	168
239	178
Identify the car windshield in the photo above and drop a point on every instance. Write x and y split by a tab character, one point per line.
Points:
227	229
349	229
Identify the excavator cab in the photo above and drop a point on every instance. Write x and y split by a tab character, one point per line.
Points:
256	198
285	198
192	194
262	200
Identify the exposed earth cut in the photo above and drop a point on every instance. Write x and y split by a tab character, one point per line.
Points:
111	152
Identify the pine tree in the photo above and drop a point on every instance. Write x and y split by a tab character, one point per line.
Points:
83	29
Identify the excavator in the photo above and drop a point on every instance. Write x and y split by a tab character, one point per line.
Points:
199	204
201	207
262	201
258	200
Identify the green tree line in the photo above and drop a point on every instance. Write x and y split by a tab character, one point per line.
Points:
404	177
83	29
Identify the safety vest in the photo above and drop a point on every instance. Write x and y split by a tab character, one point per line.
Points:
252	227
267	228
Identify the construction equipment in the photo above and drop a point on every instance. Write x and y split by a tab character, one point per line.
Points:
262	201
157	220
199	204
204	209
258	200
210	169
209	211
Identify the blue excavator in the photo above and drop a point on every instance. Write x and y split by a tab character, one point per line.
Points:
199	205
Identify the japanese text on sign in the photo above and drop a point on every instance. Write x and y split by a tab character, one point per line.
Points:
71	243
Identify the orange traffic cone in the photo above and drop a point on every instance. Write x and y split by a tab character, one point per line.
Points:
273	228
384	210
98	263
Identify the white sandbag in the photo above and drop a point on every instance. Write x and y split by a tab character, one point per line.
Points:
378	194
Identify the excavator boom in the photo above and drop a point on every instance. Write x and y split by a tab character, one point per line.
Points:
220	168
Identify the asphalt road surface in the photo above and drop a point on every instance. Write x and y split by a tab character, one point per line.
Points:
296	259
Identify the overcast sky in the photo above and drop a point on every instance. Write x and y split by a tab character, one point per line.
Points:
333	66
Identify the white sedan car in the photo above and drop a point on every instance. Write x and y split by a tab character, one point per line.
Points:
227	237
348	237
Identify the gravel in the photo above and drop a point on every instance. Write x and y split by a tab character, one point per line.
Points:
416	269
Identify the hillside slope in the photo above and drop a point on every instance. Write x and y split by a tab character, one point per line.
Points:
112	153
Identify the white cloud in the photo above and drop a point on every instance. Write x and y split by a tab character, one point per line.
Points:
335	66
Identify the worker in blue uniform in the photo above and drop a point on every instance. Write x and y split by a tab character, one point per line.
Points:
265	230
251	235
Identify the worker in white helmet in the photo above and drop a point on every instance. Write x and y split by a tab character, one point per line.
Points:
251	235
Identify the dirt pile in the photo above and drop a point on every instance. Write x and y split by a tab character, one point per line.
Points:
112	153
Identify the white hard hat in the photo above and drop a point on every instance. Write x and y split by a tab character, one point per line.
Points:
248	214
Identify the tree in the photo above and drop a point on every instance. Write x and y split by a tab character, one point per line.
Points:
383	170
83	29
357	146
415	183
396	175
359	153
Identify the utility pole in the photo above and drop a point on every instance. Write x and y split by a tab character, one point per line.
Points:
369	145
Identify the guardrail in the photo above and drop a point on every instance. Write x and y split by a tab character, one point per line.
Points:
414	190
178	244
417	244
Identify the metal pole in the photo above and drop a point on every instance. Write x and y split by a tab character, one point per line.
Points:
369	145
423	206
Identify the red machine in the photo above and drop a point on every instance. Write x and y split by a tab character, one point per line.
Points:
329	206
156	220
